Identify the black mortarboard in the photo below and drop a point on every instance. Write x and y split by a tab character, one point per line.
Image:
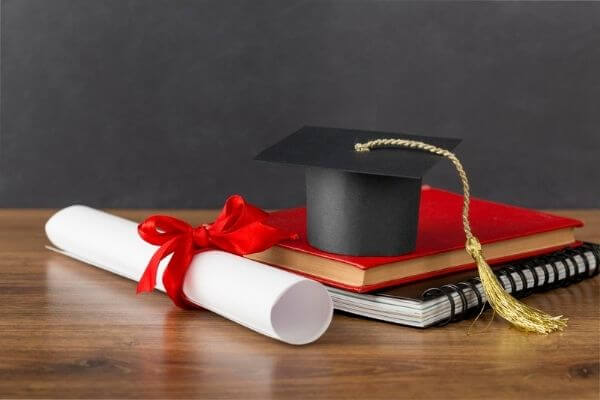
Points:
363	204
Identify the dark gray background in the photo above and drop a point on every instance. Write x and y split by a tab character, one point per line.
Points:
164	103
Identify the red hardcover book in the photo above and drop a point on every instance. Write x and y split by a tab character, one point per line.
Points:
506	233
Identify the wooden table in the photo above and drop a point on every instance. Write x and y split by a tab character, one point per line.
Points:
68	330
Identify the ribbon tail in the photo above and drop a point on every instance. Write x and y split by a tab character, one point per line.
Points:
147	282
174	275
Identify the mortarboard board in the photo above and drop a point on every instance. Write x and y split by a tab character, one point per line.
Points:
362	204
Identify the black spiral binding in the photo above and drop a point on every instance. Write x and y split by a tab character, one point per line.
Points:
551	280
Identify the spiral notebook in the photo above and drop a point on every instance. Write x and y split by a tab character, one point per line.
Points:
437	302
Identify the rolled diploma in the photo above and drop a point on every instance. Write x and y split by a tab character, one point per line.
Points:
265	299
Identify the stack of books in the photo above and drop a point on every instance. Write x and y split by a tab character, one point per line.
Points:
530	251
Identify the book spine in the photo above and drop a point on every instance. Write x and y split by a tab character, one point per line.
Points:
521	279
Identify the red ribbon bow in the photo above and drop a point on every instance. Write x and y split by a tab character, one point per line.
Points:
239	229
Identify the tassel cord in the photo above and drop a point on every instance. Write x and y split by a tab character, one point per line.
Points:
512	310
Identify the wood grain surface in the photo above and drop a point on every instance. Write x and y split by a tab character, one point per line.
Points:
68	330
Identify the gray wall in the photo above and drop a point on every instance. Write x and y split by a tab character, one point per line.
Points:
164	103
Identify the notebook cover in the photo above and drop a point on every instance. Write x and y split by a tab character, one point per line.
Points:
439	230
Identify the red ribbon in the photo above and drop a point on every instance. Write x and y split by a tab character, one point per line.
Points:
239	229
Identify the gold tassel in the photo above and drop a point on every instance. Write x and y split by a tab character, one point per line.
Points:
512	310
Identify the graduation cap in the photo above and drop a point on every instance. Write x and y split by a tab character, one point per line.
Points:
361	204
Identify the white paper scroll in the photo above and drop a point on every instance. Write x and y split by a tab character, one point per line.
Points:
268	300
